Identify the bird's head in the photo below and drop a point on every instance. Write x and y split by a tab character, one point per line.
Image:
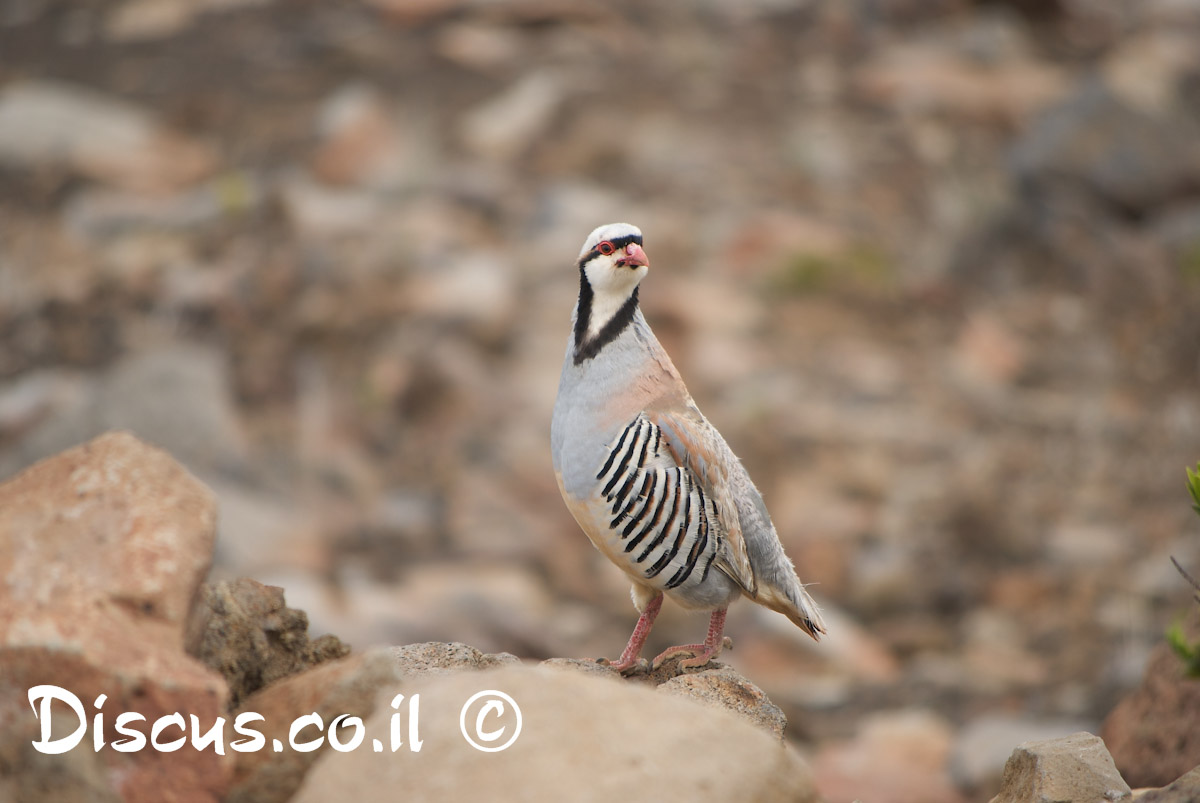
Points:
612	260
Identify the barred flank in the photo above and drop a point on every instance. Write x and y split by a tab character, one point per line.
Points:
662	514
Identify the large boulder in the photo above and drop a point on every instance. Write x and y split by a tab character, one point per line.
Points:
102	551
580	737
355	687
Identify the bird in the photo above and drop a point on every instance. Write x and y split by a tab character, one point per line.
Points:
649	480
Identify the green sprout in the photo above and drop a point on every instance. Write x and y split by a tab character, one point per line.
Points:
1187	651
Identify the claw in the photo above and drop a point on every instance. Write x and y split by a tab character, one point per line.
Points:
702	654
632	666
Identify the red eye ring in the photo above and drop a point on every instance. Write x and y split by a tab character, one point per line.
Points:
606	248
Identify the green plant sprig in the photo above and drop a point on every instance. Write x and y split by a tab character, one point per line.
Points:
1187	651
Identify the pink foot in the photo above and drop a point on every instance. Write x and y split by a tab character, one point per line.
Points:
630	659
702	653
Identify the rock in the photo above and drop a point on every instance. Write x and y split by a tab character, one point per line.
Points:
354	686
102	550
31	397
97	213
1087	544
146	20
581	738
478	291
507	125
899	756
917	78
1184	790
177	396
318	210
1147	70
1152	733
1094	142
358	141
849	646
771	242
983	746
350	686
261	531
1069	769
989	354
582	665
725	688
437	658
243	630
149	20
478	46
416	12
51	124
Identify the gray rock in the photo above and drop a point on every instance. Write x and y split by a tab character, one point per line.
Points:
437	658
53	124
176	396
1095	143
983	746
507	125
100	212
1069	769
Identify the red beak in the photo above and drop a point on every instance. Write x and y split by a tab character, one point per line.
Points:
634	257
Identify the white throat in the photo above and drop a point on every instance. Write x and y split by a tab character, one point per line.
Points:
604	307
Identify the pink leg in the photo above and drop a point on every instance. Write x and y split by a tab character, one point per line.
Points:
705	652
629	658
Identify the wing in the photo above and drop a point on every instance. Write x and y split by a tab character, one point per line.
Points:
699	449
664	527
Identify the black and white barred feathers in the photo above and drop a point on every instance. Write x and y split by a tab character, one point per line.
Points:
660	512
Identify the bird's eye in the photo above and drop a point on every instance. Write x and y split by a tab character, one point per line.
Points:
606	248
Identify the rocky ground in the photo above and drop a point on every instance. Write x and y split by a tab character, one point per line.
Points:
268	715
932	268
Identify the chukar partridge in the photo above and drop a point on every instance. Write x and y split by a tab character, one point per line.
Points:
651	482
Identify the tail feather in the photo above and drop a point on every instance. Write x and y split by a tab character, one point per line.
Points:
797	606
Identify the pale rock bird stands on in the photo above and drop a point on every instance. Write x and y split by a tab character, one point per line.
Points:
650	481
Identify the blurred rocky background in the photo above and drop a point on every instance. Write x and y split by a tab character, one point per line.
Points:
933	268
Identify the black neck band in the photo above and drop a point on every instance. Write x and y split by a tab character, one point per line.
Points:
586	348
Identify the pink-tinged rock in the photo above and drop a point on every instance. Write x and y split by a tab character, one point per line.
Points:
1153	732
358	141
771	241
922	79
102	550
417	12
897	757
1184	790
46	124
988	353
